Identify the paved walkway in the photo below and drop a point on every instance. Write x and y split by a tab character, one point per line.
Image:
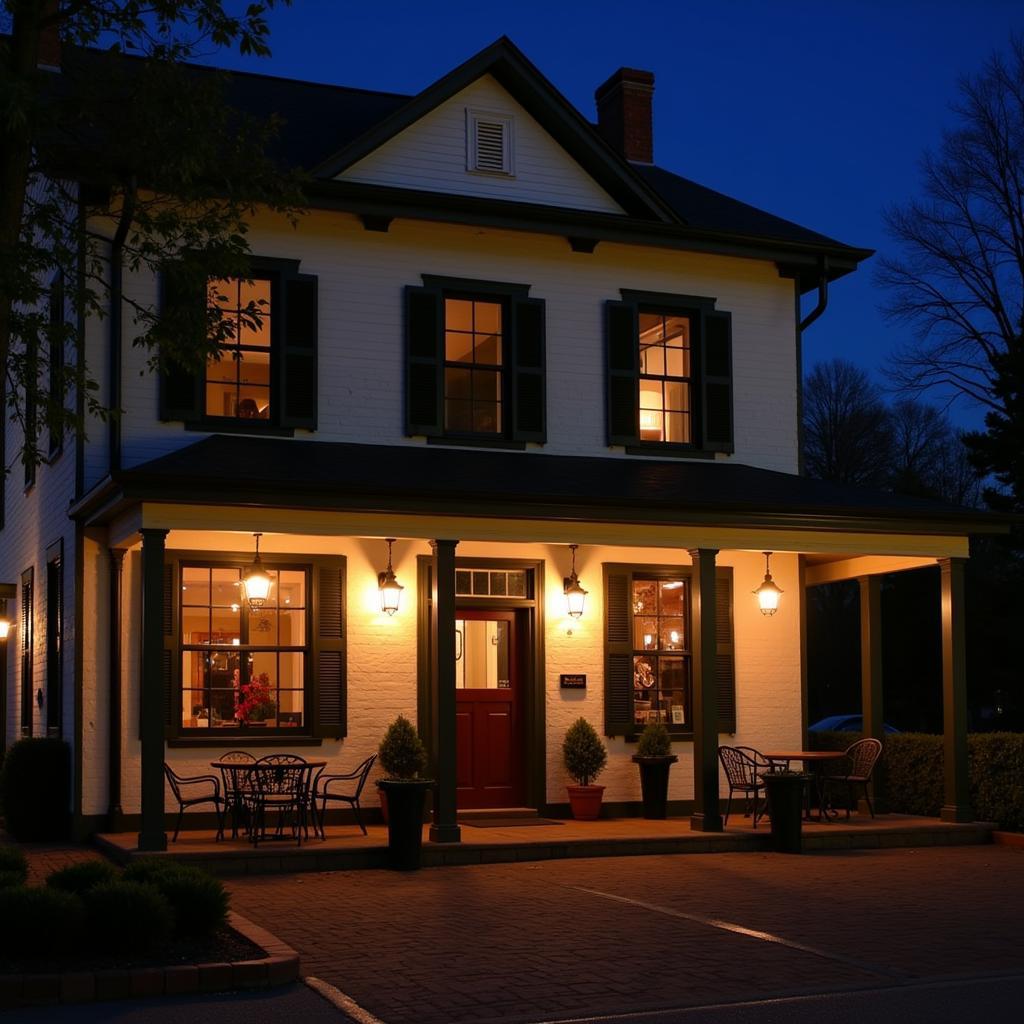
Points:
562	939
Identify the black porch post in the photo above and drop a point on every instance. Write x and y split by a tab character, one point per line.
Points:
871	675
445	828
957	805
152	836
114	811
706	815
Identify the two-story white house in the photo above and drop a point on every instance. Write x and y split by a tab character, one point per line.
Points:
501	331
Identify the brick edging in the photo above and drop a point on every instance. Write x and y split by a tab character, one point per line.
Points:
1007	838
279	967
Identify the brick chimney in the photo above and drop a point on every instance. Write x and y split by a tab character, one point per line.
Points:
49	37
624	113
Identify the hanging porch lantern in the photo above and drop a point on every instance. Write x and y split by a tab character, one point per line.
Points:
389	587
575	595
769	592
256	581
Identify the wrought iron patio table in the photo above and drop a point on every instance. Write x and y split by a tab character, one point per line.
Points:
813	761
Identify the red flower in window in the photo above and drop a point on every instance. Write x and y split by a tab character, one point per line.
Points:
253	702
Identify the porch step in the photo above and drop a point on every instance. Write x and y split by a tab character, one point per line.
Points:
483	813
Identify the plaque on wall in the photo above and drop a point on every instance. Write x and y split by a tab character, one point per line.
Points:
572	681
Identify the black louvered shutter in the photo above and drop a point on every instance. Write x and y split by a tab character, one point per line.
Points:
424	362
298	361
716	373
725	663
330	694
622	372
529	400
183	308
618	653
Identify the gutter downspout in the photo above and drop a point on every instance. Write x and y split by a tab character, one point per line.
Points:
116	327
822	295
802	326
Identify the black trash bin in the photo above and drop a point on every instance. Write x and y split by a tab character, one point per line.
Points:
786	806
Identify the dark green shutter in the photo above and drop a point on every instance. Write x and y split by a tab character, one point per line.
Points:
183	311
298	357
527	363
716	382
330	692
622	367
725	658
424	362
618	653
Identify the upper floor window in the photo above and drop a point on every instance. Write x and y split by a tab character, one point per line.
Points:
669	364
473	368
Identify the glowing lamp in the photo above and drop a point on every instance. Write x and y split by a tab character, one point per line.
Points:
575	595
389	587
256	581
769	592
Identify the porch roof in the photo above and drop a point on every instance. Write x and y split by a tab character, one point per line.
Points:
284	473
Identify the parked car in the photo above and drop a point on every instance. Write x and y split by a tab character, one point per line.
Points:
844	723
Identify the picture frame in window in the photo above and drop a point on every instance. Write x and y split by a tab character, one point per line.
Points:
678	715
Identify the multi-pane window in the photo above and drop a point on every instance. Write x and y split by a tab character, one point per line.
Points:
237	384
666	371
243	669
473	345
661	651
490	583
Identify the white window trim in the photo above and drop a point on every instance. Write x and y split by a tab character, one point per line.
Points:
473	116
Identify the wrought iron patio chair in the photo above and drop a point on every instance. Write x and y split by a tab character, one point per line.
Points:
188	794
859	763
281	786
744	768
238	786
323	791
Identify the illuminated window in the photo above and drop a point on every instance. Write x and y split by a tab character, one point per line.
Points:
666	372
661	652
473	342
238	379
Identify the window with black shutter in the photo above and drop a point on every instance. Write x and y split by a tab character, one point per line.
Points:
669	374
264	372
648	657
475	362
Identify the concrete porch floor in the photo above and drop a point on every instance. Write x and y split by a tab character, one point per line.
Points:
345	848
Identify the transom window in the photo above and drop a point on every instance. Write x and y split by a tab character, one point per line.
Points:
473	345
238	381
661	652
243	670
490	583
666	374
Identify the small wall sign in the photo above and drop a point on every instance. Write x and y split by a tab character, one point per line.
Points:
572	681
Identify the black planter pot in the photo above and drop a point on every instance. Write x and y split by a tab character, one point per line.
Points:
405	821
786	806
654	783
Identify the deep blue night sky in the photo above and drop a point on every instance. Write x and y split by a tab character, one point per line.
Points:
817	112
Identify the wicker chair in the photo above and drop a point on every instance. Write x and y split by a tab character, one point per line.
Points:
188	793
322	791
860	760
237	786
744	768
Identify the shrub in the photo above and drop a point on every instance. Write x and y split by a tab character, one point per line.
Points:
199	901
402	754
145	869
35	789
13	863
11	879
80	878
39	922
128	916
584	753
654	741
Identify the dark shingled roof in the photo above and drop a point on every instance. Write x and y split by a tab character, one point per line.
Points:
234	469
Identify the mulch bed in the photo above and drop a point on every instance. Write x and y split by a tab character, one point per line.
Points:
224	946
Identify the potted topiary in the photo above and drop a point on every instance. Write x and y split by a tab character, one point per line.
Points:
585	757
403	756
655	758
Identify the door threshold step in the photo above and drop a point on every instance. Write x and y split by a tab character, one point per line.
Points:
497	812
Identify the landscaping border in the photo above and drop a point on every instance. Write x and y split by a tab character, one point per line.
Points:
279	967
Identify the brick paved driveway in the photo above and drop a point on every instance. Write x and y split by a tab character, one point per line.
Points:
533	942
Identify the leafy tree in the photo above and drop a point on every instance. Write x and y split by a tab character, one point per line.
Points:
958	277
115	166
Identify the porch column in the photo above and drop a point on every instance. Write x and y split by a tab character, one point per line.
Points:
114	810
444	828
152	836
871	676
957	805
706	816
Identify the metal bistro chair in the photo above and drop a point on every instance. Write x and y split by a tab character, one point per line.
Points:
744	767
237	786
187	793
281	785
861	758
323	792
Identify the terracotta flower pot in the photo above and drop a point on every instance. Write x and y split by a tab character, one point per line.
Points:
585	802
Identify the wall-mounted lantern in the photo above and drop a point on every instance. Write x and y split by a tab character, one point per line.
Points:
575	595
7	591
769	592
256	581
389	587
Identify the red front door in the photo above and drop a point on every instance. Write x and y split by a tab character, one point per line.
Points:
488	709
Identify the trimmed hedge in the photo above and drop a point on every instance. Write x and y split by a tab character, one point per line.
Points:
80	878
39	922
914	773
35	789
199	900
127	916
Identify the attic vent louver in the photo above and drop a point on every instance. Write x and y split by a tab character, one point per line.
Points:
488	142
